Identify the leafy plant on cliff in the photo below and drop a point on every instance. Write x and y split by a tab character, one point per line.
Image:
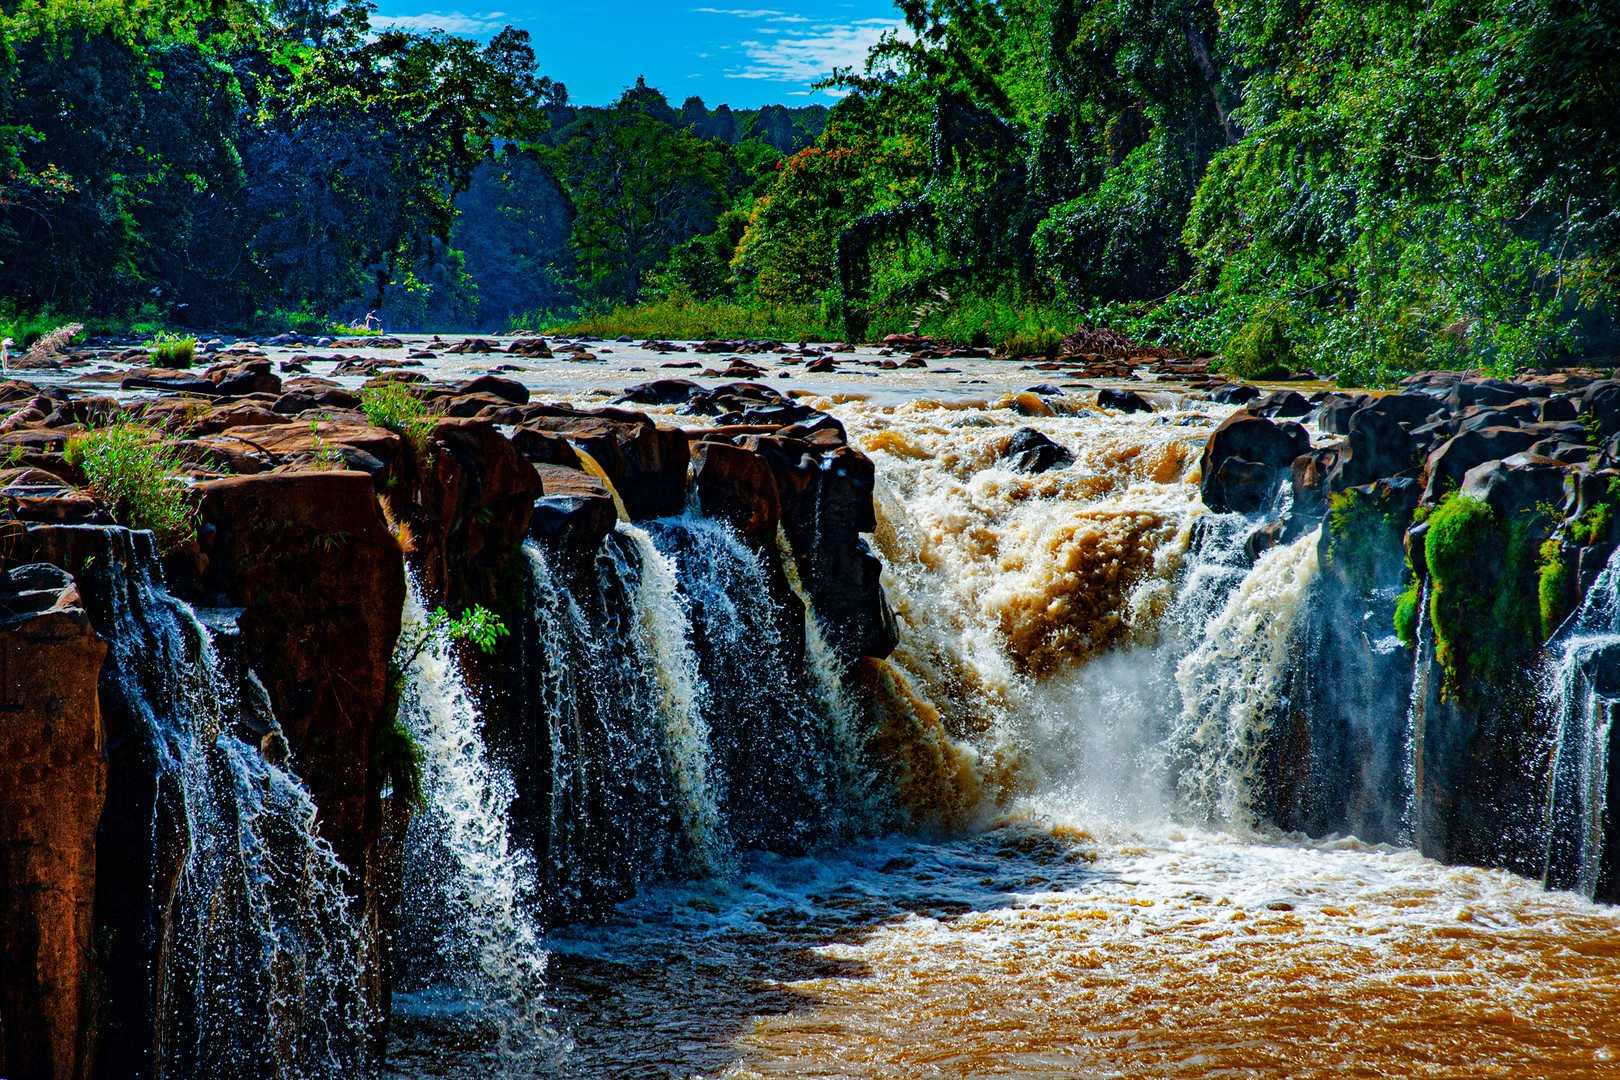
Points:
396	757
1407	610
1555	586
133	470
1364	536
1484	601
391	405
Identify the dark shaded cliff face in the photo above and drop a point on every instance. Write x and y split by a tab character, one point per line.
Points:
1440	692
320	579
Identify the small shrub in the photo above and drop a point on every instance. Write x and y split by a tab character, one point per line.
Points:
132	469
391	405
1407	610
1554	587
174	351
396	757
1262	349
1039	342
1364	538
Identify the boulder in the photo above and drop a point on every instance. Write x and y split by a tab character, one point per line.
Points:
826	500
1333	414
471	500
1126	401
1283	403
1243	459
52	787
1235	395
1517	484
736	485
1031	452
1447	465
1377	446
248	377
646	464
573	515
508	390
660	392
168	380
1409	410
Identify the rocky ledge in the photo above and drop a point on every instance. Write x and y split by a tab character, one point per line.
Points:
308	517
1465	520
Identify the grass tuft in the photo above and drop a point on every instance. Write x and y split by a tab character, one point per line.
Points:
133	470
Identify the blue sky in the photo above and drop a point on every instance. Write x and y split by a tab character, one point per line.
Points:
742	56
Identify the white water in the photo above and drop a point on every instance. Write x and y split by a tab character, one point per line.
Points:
663	635
496	958
1583	711
264	968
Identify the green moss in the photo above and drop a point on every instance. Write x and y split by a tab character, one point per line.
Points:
1407	610
396	756
1555	587
1364	536
1484	601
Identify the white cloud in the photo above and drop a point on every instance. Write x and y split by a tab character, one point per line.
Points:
470	24
809	54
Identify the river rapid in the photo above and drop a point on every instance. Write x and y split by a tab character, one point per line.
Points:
1056	867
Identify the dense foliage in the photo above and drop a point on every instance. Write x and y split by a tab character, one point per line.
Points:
1358	186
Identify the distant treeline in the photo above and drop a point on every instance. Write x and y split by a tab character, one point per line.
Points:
1361	186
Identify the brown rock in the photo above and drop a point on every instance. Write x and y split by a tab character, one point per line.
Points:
52	786
322	580
736	485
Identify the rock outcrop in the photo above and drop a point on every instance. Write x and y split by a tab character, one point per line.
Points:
52	785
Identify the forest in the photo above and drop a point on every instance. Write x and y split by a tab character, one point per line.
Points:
1361	187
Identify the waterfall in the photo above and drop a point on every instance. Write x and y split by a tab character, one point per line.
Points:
663	638
461	845
261	963
1232	686
1582	686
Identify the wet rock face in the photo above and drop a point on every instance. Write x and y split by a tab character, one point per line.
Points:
1244	459
826	503
1031	452
311	560
469	508
646	464
52	785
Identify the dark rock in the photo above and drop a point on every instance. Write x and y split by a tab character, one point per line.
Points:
573	515
1333	415
737	485
322	583
646	464
1127	401
169	380
1280	403
1243	459
1558	409
1377	446
508	390
660	392
1517	484
1235	395
1031	452
1408	410
248	377
1447	465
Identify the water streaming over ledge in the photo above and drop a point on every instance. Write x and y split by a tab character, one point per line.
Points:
249	938
1068	735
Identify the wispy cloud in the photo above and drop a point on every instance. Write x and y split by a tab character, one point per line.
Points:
471	24
809	54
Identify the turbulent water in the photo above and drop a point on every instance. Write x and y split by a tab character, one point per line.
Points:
260	958
1044	859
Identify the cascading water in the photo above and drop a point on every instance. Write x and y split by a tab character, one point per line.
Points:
248	936
471	942
1582	685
